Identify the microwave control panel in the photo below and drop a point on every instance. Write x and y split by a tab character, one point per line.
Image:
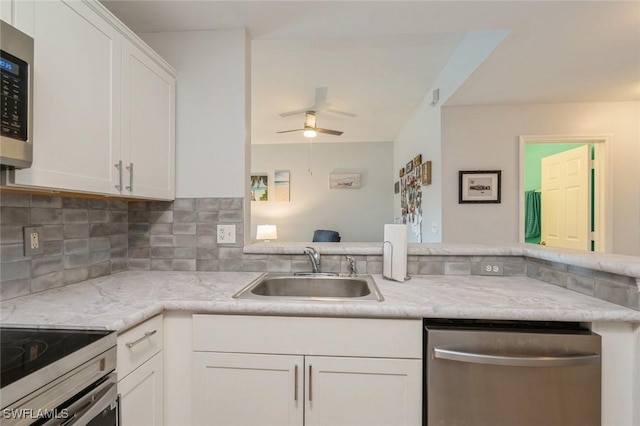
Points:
14	102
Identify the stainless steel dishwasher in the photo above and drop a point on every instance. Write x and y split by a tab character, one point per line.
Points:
480	373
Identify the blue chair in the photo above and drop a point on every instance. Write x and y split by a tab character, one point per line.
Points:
325	236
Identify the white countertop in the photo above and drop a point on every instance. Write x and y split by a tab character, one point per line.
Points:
122	300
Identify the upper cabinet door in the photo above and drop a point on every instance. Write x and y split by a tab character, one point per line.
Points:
148	126
77	90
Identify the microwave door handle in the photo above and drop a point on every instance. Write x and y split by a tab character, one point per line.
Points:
517	361
86	409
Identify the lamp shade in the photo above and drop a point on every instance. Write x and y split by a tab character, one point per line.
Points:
267	232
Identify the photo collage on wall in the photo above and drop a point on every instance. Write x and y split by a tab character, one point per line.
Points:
410	188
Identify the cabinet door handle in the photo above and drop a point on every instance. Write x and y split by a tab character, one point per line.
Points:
310	383
119	167
146	336
295	385
130	168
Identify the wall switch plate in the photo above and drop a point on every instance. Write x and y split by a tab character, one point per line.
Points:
32	240
226	234
492	268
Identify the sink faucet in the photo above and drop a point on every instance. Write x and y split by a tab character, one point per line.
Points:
314	257
352	266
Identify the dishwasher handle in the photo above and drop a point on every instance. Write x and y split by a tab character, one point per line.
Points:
517	361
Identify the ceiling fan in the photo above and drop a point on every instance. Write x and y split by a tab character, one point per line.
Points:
319	104
310	130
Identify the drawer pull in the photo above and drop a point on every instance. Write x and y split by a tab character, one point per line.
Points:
146	336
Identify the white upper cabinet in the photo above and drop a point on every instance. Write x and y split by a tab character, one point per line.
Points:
148	126
76	97
104	104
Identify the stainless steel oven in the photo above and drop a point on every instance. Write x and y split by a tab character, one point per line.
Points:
58	377
507	373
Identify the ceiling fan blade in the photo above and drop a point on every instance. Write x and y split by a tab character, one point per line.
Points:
289	131
335	111
296	112
329	131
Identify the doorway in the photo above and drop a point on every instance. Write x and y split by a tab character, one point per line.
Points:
582	225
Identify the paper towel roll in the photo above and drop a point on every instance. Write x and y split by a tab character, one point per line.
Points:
394	252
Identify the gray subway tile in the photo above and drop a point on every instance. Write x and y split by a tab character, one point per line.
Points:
52	233
160	205
254	265
15	270
70	216
9	199
76	260
99	269
98	216
161	229
139	253
206	229
231	203
138	216
162	252
207	265
118	205
139	264
612	292
184	228
75	203
230	265
161	264
47	281
206	253
184	241
207	217
99	256
118	216
184	264
581	284
98	204
119	229
15	215
46	216
11	234
75	275
12	253
184	216
78	245
211	204
46	201
78	230
118	241
162	240
232	216
161	216
52	248
47	265
99	244
99	230
138	205
185	252
15	288
184	204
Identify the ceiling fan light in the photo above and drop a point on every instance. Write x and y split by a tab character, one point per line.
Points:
310	133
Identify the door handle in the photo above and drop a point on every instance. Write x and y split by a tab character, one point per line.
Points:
118	166
517	361
130	168
310	383
295	384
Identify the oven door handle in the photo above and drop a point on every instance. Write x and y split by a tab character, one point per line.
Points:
517	361
81	412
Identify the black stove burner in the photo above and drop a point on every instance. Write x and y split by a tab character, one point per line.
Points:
25	350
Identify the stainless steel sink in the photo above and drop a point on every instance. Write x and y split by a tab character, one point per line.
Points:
319	287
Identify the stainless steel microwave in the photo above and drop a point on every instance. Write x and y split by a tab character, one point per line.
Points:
16	103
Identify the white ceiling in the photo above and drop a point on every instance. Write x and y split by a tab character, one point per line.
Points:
378	59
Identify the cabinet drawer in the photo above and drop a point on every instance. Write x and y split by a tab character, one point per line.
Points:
385	338
139	344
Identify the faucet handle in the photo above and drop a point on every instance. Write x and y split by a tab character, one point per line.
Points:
352	266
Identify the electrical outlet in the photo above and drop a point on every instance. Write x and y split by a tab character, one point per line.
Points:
491	268
226	234
32	240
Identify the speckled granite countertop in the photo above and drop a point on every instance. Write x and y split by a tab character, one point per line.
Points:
122	300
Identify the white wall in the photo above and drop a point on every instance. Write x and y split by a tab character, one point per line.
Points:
422	132
486	137
358	214
212	111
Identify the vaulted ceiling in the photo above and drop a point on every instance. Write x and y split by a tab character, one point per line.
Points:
378	59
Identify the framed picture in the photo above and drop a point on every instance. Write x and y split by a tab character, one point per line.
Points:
409	167
401	172
479	186
259	187
426	173
344	180
417	160
396	187
282	185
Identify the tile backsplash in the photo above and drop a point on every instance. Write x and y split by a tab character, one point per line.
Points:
82	238
85	238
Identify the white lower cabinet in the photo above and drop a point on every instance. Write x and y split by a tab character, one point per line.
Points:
278	390
141	374
330	371
141	394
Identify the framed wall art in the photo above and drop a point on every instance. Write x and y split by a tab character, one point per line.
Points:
479	186
344	180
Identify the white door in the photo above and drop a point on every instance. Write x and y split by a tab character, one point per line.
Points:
363	392
231	389
148	126
565	203
141	394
